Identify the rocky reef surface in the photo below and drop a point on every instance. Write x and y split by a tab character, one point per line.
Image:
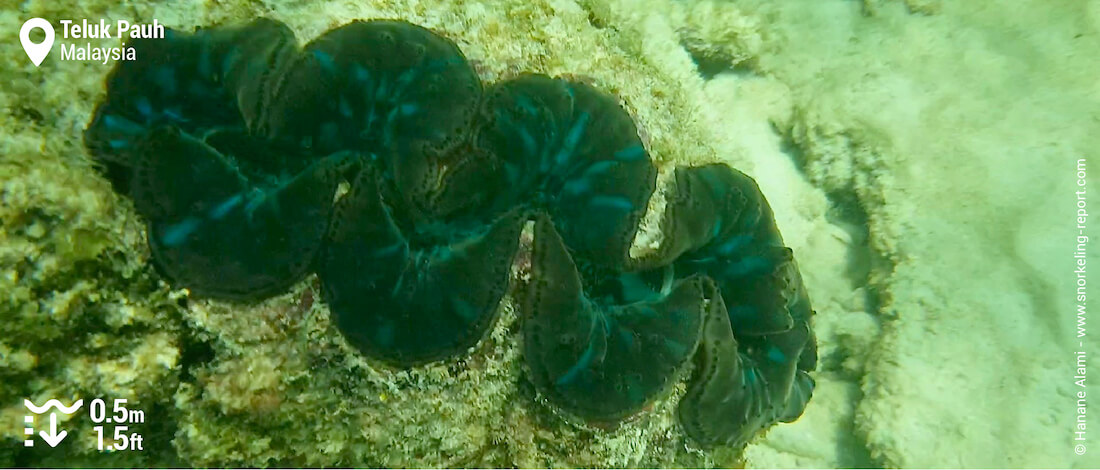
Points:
239	357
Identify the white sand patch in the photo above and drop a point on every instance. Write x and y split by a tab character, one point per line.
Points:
956	125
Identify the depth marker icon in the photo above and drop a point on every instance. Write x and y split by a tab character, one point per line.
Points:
53	437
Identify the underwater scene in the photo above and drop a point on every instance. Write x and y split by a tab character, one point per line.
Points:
548	233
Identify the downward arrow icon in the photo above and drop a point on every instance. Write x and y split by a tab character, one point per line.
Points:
53	438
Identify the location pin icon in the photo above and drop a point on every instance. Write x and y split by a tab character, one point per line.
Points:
37	52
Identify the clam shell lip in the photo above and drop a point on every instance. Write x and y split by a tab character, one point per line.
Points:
233	142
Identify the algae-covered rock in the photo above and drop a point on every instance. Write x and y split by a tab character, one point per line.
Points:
83	316
273	382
